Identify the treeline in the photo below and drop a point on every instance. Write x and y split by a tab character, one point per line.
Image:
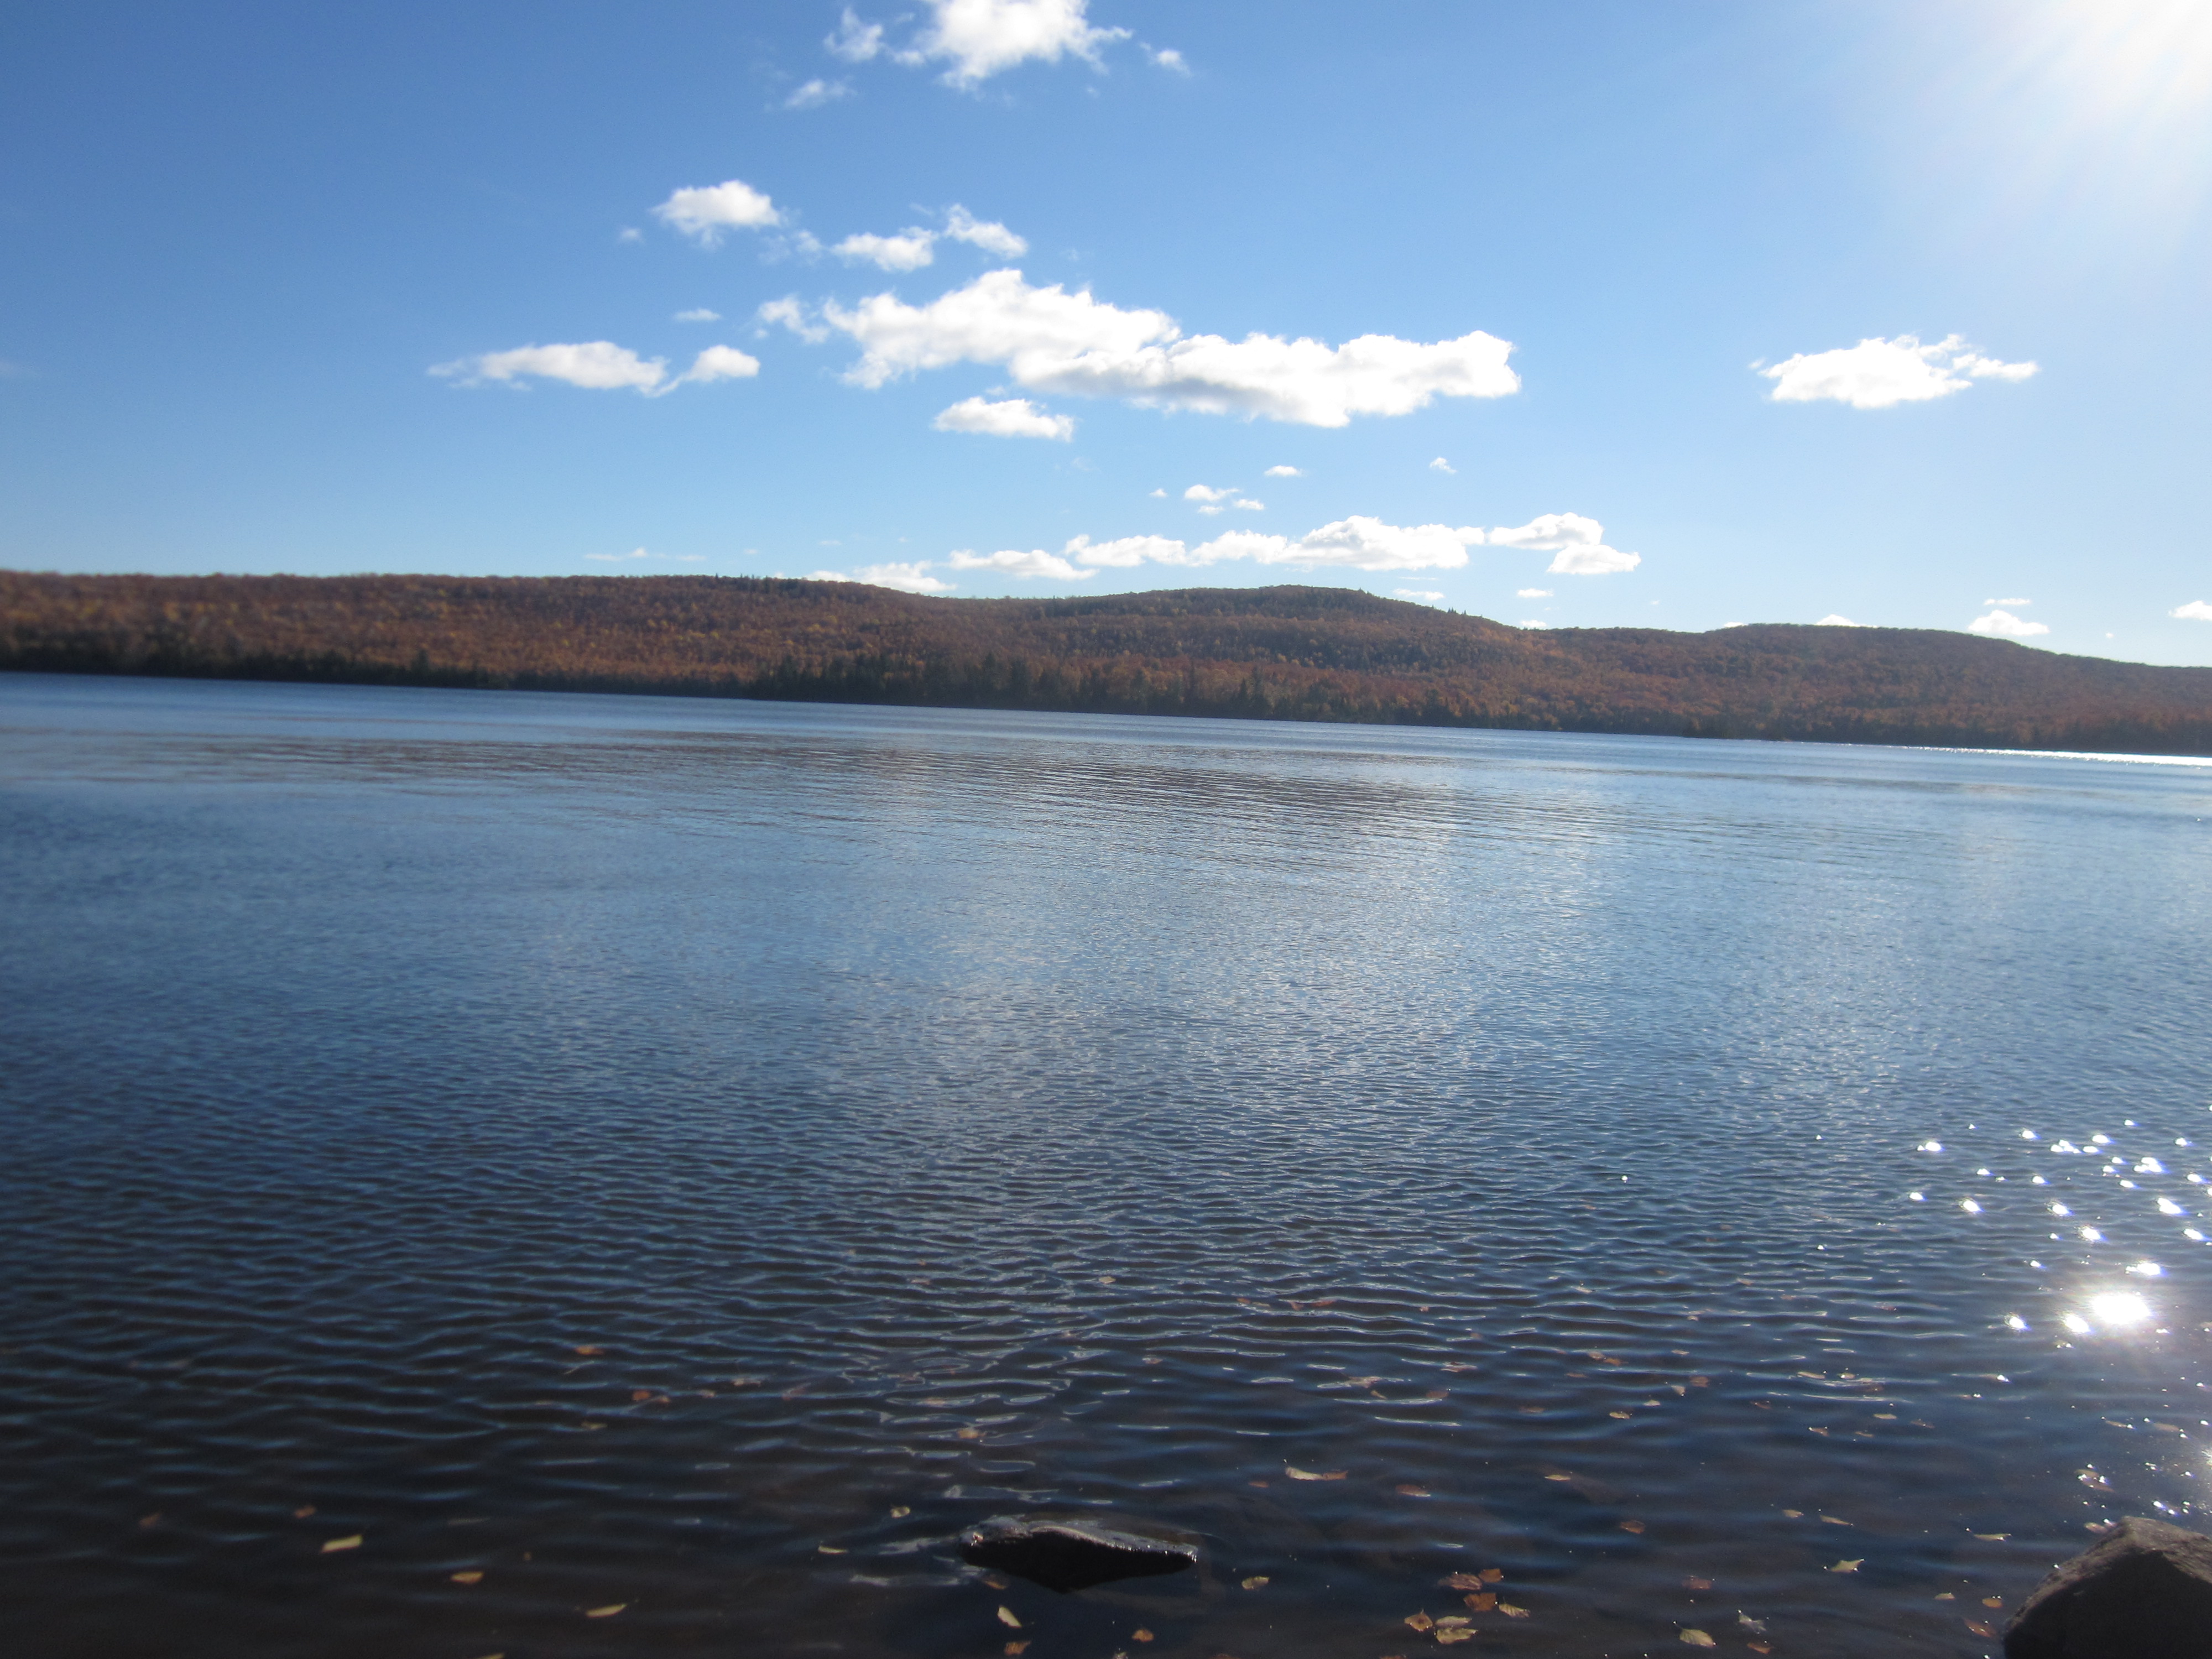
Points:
1305	653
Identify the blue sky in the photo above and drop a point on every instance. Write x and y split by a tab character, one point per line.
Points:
1564	314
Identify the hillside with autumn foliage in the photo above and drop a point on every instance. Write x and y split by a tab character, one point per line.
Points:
1288	653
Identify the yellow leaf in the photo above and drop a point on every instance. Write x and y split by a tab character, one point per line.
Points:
1846	1566
330	1546
1945	1595
1492	1575
1484	1601
1620	1414
606	1612
1631	1526
1140	1635
1697	1583
1420	1621
1453	1623
1834	1521
1982	1631
589	1348
1449	1636
831	1549
303	1511
1409	1490
1017	1647
900	1511
1512	1612
1308	1474
1255	1583
1558	1477
1698	1638
472	1577
1464	1581
1794	1515
1006	1618
969	1434
1993	1600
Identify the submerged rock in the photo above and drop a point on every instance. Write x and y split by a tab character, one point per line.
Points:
1072	1552
2143	1593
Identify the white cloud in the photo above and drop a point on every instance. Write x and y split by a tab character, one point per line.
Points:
1159	495
1532	621
1168	58
854	41
910	250
630	233
1129	551
1440	465
699	314
1532	593
1877	373
2195	610
817	93
1248	505
793	315
1578	543
598	366
1360	542
911	577
1833	619
1283	472
1208	493
1013	417
640	553
704	212
719	362
2004	623
988	235
981	38
1422	595
1050	340
2008	601
1012	563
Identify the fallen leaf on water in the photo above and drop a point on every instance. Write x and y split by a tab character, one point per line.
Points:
1794	1515
474	1576
1698	1638
1017	1647
1558	1477
1453	1623
1483	1602
1296	1473
1701	1382
1756	1627
1256	1581
1823	1433
153	1520
303	1511
1531	1411
1149	1359
1945	1595
1420	1621
639	1395
1698	1583
1409	1490
1492	1575
830	1549
589	1428
1759	1647
1437	1394
1993	1600
1620	1414
1464	1581
900	1511
589	1348
1631	1526
1141	1636
1847	1566
1980	1629
1835	1521
795	1390
997	1582
744	1382
1454	1634
1512	1612
1993	1537
606	1612
1255	1483
330	1545
1006	1618
969	1434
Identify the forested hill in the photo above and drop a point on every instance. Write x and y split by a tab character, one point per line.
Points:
1273	653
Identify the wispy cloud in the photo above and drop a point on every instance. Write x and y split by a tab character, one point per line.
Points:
1440	465
816	93
1877	373
910	250
699	314
854	41
640	553
1050	340
1011	417
597	365
2008	601
1532	593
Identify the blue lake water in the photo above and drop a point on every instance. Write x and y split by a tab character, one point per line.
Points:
694	1158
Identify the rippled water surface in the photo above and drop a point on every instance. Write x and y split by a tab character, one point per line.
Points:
693	1159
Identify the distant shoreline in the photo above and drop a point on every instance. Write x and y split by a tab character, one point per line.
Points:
1287	654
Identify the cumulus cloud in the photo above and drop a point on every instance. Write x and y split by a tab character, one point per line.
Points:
1050	340
1532	593
2003	622
1440	465
1248	505
1578	542
962	226
791	314
1834	619
912	577
982	38
1129	551
818	92
1877	373
1207	493
1283	472
1359	543
2195	610
1013	417
1168	58
699	314
597	365
704	212
909	250
854	41
1012	563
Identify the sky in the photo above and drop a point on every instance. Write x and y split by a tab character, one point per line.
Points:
1678	315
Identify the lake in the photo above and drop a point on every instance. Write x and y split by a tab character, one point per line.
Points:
684	1161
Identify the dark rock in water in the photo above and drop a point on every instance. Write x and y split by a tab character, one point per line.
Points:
2144	1593
1071	1552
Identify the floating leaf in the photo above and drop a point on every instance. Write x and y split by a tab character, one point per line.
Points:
1993	1600
1621	1414
1420	1621
1756	1627
1485	1601
1794	1515
1558	1477
640	1395
1140	1635
1980	1629
606	1612
1408	1490
1257	1581
1759	1647
1631	1526
1697	1583
1945	1595
830	1549
303	1511
1017	1647
1512	1612
1999	1537
330	1546
900	1511
1453	1623
1006	1618
1454	1634
1823	1433
153	1520
1698	1638
1296	1473
473	1576
1492	1575
1847	1566
1464	1581
1834	1521
589	1348
1531	1411
969	1434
